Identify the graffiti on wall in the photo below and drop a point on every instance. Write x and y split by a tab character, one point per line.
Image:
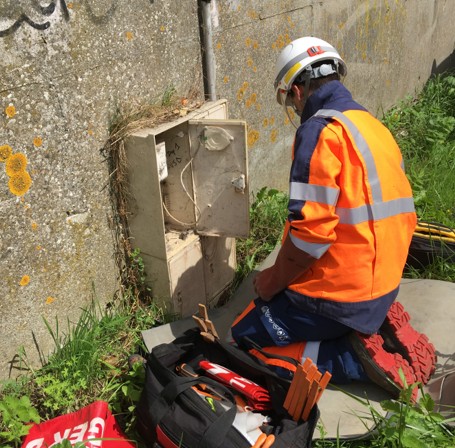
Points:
15	15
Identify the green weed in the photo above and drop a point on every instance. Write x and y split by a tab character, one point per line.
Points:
268	213
401	424
17	415
424	128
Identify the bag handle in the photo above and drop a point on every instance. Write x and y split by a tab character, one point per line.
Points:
216	433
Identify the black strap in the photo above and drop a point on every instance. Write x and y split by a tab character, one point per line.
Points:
217	431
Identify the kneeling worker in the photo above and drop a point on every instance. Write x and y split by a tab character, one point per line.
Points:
346	239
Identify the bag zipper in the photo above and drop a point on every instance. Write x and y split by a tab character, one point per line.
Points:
240	441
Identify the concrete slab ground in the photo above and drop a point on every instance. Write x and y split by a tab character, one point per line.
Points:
431	304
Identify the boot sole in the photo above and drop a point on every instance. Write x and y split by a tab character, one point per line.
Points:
409	343
381	366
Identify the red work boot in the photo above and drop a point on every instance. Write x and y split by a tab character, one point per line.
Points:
400	337
380	366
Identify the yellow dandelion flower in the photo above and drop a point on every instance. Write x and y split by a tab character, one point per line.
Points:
226	79
249	62
49	300
129	35
248	103
16	164
162	28
265	122
253	97
34	225
25	280
247	41
255	45
10	111
38	247
218	46
20	183
245	85
37	141
70	5
5	152
240	95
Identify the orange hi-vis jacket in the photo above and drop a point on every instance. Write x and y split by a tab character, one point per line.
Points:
351	208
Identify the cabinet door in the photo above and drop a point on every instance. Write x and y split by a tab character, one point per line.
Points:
218	151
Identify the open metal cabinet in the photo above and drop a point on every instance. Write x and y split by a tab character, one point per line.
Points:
189	199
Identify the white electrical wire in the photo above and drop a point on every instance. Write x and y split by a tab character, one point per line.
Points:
199	213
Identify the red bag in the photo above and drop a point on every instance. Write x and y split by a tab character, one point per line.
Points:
88	425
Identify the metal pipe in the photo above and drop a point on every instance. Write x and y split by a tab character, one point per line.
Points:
207	51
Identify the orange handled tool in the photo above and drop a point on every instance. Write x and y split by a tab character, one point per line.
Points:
264	441
259	441
269	441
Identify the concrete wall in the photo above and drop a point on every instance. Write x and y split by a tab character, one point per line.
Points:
390	47
66	67
65	83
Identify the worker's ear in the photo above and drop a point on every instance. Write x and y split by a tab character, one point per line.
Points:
296	91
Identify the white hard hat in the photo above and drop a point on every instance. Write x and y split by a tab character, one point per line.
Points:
300	55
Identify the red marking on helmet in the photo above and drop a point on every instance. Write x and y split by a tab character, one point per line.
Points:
313	51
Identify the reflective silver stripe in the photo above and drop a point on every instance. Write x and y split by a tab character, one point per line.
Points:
379	210
311	351
300	191
364	149
294	61
314	249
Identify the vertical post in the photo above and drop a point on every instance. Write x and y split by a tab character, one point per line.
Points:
207	51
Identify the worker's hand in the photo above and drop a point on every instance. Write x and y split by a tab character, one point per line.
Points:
290	263
265	285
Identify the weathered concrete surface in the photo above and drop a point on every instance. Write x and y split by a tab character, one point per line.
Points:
71	64
65	83
390	47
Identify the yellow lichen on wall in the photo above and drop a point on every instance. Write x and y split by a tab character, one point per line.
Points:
37	142
16	164
15	167
25	280
253	137
10	111
5	152
20	183
273	135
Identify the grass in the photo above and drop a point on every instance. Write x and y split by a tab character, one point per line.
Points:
424	128
401	424
267	216
90	360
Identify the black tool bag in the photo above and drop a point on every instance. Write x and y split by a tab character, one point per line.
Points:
171	414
